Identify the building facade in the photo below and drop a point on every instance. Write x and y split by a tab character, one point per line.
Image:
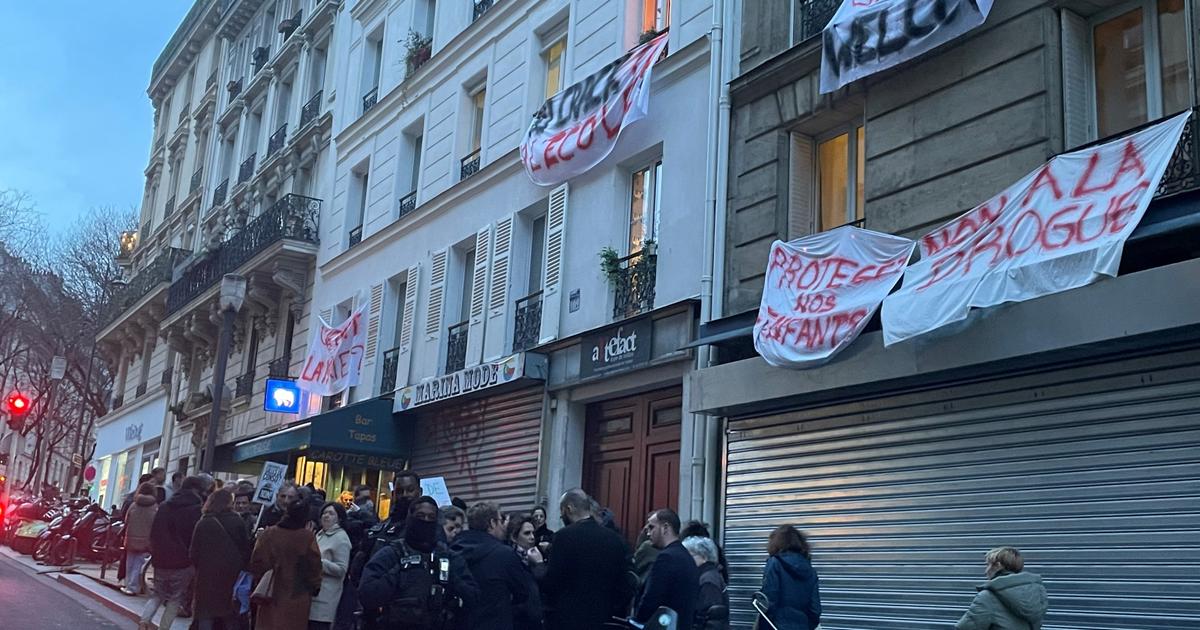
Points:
1065	425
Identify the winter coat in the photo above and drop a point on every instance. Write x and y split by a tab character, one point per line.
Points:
138	522
543	535
712	593
335	561
271	516
586	577
792	590
171	533
674	582
220	550
508	596
1009	601
295	562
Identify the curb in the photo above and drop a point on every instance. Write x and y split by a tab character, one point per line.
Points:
114	606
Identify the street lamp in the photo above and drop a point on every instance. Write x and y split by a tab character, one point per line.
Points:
233	293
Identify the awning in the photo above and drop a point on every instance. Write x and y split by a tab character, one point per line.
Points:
362	434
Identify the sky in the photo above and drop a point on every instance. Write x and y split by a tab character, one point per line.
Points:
75	121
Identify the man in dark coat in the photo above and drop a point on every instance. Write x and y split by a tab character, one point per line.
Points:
287	494
587	580
508	596
674	580
170	540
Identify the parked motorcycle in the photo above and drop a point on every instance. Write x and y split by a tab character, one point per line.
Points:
57	528
84	539
26	522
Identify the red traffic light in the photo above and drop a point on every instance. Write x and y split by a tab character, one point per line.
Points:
17	404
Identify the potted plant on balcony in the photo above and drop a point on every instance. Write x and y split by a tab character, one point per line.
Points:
610	264
287	26
647	35
418	49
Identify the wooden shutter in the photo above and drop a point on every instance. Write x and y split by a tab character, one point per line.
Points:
496	335
434	304
407	319
802	202
556	225
1078	126
479	282
374	308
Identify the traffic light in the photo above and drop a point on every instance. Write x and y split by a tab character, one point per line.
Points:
17	407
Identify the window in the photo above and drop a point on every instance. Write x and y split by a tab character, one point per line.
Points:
426	12
537	253
468	276
251	350
414	147
359	200
841	167
478	100
644	199
553	56
655	15
1140	55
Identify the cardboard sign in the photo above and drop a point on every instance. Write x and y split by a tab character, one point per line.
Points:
866	36
269	481
335	356
436	487
821	290
1060	227
578	127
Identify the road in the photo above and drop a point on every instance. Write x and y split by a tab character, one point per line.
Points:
35	602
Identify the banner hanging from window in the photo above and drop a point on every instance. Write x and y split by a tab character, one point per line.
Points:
578	127
335	354
821	290
867	36
1060	227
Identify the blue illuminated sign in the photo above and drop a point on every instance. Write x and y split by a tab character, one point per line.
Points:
282	396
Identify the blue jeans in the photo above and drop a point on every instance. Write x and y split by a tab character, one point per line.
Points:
135	566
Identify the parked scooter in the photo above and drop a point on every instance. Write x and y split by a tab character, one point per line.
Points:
25	520
58	528
80	539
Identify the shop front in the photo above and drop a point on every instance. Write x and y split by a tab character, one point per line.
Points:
127	446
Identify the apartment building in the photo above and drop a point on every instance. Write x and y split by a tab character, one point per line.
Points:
1063	425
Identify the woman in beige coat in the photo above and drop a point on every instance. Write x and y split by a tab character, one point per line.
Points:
335	559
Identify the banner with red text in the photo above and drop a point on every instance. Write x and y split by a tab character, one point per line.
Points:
821	290
1060	227
335	354
578	127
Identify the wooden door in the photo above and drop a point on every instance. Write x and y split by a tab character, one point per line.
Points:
631	455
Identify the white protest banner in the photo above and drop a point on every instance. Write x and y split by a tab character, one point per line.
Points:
578	127
1060	227
335	356
867	36
269	481
435	487
821	290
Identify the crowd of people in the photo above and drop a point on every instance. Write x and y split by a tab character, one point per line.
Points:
304	562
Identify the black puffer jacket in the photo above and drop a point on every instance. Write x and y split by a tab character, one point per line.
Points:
508	596
171	533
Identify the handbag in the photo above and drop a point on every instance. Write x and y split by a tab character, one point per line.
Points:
264	593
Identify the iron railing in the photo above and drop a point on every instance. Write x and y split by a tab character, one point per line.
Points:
244	385
355	236
1183	171
369	99
311	109
141	390
293	217
246	170
469	165
156	273
278	368
117	401
165	379
456	347
482	7
277	140
408	203
259	58
169	207
197	177
528	327
235	88
391	359
220	191
289	26
633	284
814	15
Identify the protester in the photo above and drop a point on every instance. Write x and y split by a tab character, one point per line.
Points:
697	528
451	519
243	506
1010	599
287	494
508	596
159	478
712	608
520	535
542	532
585	580
334	545
674	580
289	552
220	550
138	522
790	582
644	554
170	540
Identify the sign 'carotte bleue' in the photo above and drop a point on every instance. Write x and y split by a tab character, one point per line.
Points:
1060	227
578	127
866	36
335	355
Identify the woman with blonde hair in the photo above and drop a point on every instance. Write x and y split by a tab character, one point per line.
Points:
1011	598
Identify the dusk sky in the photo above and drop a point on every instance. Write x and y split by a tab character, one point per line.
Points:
75	121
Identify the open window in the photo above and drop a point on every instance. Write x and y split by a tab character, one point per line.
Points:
827	180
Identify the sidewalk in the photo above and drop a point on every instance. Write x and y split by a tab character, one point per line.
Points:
84	579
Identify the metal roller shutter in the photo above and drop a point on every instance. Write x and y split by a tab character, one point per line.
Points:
487	448
1093	472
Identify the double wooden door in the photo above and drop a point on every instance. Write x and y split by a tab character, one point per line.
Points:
631	455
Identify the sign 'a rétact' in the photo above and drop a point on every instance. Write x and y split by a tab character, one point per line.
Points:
615	349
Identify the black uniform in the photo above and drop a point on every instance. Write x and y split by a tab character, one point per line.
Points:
407	589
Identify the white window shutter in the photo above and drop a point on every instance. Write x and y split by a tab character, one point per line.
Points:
326	317
479	282
437	296
802	193
407	320
374	309
1078	124
556	225
499	293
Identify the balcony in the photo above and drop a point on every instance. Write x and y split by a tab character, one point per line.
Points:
169	207
235	88
814	15
246	170
138	287
277	140
278	368
289	26
369	99
220	192
211	81
408	204
391	359
197	178
140	391
259	58
117	401
243	385
633	283
469	165
165	379
456	348
528	327
1183	171
293	217
481	7
355	236
183	115
311	109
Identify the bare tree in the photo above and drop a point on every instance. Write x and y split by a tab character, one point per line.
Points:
19	221
85	256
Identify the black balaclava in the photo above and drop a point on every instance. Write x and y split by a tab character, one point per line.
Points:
421	535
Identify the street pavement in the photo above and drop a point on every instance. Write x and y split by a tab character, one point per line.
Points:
36	602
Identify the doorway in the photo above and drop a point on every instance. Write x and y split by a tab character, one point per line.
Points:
631	456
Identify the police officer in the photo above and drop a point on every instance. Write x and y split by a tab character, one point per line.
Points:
415	582
406	490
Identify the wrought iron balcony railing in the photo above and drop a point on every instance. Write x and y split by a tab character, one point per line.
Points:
235	88
355	236
259	58
1183	171
169	207
140	391
197	177
165	379
289	26
311	109
369	99
246	170
278	368
633	284
244	385
469	164
456	348
391	360
219	192
481	7
814	15
277	140
408	204
154	274
528	327
293	217
183	115
117	401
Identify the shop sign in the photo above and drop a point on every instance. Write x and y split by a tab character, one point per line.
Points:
335	353
821	290
577	128
616	349
133	433
867	36
472	379
357	460
1060	227
282	396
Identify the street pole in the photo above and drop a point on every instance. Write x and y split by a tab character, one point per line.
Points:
218	389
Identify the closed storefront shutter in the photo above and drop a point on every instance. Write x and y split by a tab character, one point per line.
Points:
487	448
1093	472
